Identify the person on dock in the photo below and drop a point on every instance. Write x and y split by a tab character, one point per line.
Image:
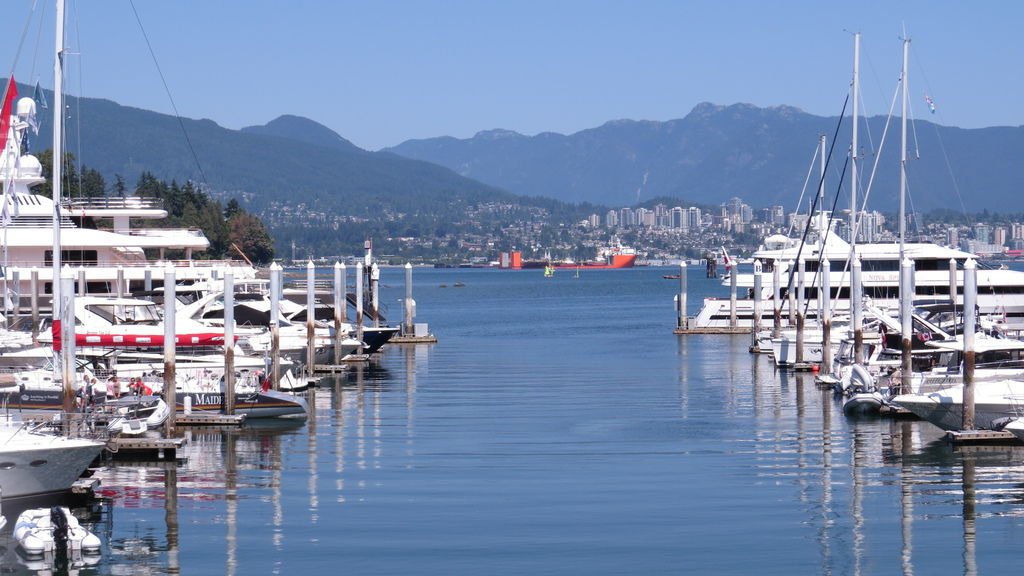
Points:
85	393
114	387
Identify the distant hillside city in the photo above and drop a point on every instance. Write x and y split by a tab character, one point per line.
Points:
664	234
737	225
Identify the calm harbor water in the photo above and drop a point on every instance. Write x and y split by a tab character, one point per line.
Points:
559	427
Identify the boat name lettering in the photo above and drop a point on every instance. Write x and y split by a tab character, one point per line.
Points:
204	399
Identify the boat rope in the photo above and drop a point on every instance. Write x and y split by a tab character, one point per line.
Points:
803	190
807	227
942	148
874	167
828	228
174	106
867	190
21	44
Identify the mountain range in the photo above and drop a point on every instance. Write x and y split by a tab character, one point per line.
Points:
762	155
288	160
293	167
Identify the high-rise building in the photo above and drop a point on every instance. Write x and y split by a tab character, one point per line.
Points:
627	218
677	218
746	214
641	216
694	220
983	233
952	236
611	219
999	236
649	219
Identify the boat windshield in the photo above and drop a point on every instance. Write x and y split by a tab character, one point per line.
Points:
126	313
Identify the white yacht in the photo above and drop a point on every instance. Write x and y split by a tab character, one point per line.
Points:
101	256
1000	291
34	461
131	323
995	403
252	318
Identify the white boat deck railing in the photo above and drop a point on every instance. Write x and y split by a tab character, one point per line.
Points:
167	232
114	203
68	424
204	264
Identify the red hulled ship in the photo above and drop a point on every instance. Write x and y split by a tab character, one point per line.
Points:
609	257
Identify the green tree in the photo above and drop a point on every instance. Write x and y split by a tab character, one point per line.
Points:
232	208
69	175
92	184
120	188
248	235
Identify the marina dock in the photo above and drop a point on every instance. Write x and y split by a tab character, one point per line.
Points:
209	419
403	339
144	448
711	330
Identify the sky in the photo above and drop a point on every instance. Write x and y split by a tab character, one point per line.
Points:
385	71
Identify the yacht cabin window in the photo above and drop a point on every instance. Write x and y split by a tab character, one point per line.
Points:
73	257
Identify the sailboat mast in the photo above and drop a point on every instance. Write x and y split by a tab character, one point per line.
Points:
903	147
58	120
906	265
855	298
822	217
853	143
63	312
823	220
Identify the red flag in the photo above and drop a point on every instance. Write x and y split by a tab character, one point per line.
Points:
55	333
5	112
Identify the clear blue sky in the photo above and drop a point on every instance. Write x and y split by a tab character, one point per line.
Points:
385	71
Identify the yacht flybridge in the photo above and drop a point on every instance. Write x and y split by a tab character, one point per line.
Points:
103	255
1000	291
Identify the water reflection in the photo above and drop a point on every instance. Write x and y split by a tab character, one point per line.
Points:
231	496
860	457
774	435
910	456
209	471
683	353
904	434
970	535
171	517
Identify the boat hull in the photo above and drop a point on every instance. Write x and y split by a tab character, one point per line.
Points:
269	404
376	337
50	466
994	403
863	403
617	261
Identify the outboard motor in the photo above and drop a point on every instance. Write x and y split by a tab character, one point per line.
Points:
60	538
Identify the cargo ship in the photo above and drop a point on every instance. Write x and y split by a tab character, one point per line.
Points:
608	257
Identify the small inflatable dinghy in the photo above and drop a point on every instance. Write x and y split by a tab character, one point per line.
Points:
42	530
